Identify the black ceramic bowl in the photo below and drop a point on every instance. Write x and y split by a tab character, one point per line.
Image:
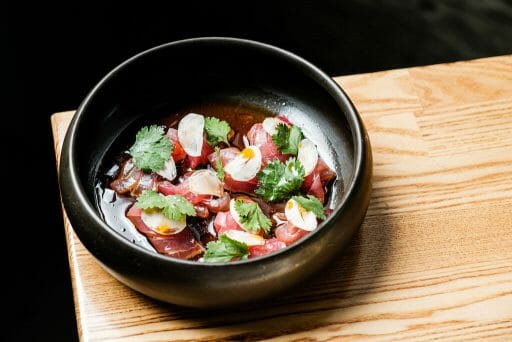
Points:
235	70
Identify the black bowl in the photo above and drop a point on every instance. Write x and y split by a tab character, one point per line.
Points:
234	70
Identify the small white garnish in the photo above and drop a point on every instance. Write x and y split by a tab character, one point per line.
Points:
300	217
245	237
307	155
169	171
156	221
205	182
190	134
245	165
270	124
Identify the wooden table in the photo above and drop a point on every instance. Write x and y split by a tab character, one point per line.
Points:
433	259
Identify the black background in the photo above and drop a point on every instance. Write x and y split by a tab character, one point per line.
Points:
54	52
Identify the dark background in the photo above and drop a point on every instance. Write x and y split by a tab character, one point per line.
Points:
54	52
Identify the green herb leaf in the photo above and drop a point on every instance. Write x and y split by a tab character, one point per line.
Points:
281	136
174	207
287	139
251	216
225	249
152	148
293	142
218	164
278	181
216	130
311	203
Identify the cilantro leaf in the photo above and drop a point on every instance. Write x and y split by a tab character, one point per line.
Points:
293	142
174	207
287	139
311	203
218	164
277	181
151	149
216	130
150	199
280	137
251	216
225	249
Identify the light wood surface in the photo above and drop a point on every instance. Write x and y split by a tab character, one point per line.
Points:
433	259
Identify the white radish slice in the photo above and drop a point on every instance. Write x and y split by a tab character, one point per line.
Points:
157	222
300	217
307	155
245	237
169	170
270	124
190	134
245	165
205	182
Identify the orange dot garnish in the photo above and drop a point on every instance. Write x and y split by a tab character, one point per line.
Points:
302	211
247	153
163	230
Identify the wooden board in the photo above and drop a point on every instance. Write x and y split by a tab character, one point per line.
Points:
433	259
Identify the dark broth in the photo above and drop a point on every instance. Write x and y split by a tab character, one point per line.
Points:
239	116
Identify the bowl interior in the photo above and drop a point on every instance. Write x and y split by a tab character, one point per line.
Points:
172	76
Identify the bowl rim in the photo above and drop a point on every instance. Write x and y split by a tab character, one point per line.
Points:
310	70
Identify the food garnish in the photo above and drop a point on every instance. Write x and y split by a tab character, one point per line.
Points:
151	149
278	181
251	217
311	203
216	131
287	138
174	207
225	249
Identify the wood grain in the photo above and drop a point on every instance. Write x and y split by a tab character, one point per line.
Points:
433	259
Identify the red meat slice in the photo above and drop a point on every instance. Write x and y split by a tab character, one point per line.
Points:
178	153
134	215
146	182
217	204
259	137
317	188
314	183
271	245
288	233
226	155
224	222
132	180
322	170
182	245
202	211
167	188
195	162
